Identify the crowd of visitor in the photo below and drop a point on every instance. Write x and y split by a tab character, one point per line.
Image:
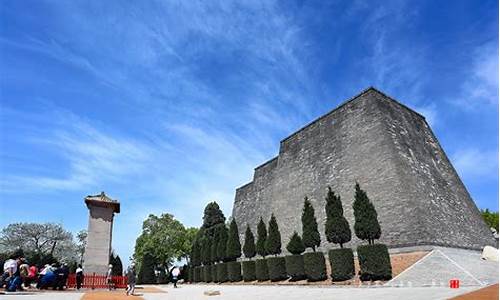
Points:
19	275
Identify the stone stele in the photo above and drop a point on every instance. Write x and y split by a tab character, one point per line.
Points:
391	151
100	230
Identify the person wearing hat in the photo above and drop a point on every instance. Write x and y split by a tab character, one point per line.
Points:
131	279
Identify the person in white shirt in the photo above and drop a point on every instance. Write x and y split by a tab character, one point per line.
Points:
109	276
175	275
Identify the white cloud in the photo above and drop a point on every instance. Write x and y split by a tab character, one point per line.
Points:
480	88
473	163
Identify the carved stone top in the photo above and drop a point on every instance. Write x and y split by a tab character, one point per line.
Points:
102	200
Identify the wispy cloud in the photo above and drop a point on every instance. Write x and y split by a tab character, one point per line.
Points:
480	88
476	164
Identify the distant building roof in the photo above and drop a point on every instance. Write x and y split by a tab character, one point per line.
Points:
102	200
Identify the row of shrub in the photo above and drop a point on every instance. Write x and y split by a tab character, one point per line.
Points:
374	264
217	248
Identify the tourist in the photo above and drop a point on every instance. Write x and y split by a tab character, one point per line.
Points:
32	272
131	279
175	275
109	277
12	276
79	277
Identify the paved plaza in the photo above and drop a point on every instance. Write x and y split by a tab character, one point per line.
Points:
240	292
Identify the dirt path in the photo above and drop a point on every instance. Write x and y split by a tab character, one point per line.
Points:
120	295
487	293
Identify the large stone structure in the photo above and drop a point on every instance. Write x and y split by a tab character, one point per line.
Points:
100	231
393	154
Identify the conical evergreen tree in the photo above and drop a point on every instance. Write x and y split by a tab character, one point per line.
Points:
336	228
206	250
366	224
249	247
273	241
221	247
196	253
147	270
233	249
260	247
310	233
213	249
212	217
295	245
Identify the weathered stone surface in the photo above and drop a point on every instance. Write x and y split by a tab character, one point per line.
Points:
100	230
391	151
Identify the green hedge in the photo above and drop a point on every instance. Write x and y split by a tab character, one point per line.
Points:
213	269
314	266
342	263
261	271
277	268
207	273
248	267
222	272
197	274
234	271
374	262
295	267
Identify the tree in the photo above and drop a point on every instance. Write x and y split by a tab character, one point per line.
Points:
336	228
491	218
81	244
147	269
165	238
249	246
366	224
273	241
233	249
261	238
114	259
206	249
222	245
212	217
295	245
310	233
187	243
196	253
42	240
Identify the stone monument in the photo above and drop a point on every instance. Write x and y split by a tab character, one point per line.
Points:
100	230
392	152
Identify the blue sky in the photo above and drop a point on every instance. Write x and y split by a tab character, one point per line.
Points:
167	105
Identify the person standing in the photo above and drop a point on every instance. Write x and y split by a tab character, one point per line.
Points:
131	279
79	277
109	277
175	275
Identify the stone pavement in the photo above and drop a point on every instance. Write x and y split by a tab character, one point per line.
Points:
443	264
253	292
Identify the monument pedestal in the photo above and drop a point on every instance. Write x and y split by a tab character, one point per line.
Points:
100	232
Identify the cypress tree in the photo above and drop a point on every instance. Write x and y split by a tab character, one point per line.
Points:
213	249
212	217
310	233
146	272
260	247
273	241
366	224
196	253
336	228
206	250
233	250
295	245
249	247
222	243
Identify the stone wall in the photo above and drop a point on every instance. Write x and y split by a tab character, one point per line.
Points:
391	151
